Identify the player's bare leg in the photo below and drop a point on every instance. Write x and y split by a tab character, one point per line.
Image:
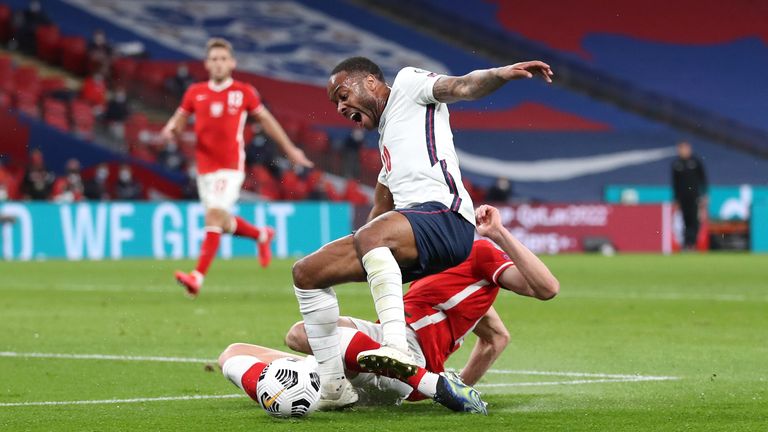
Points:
217	222
446	389
242	364
384	245
313	278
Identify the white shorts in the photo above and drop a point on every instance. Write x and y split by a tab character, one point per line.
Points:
220	189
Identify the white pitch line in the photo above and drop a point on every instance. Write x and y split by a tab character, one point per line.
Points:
115	357
576	374
574	382
120	401
105	357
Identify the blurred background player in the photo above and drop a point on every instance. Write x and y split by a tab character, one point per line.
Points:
422	221
442	309
689	186
221	106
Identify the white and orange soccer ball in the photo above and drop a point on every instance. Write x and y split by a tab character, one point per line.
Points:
288	388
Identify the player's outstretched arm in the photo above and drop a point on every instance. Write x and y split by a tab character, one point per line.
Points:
492	339
175	125
483	82
277	133
529	276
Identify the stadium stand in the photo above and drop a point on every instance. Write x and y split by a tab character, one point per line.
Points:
526	123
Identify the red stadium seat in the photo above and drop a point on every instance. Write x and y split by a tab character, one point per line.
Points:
6	23
124	70
55	114
27	103
74	54
6	74
25	78
83	119
293	188
315	141
47	38
52	84
354	195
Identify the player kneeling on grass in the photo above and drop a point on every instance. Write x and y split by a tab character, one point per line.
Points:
441	310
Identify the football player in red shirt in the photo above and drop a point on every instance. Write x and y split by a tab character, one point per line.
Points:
221	106
441	310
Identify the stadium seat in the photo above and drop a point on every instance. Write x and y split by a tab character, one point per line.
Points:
73	54
83	120
55	114
25	78
52	84
6	23
27	103
292	187
47	38
124	70
353	194
6	74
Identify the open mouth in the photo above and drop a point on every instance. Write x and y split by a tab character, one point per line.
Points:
356	117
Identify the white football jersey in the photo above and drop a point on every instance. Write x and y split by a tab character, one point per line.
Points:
416	146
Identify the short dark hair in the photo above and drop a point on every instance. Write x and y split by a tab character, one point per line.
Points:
359	64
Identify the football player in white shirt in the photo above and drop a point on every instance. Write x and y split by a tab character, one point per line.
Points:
422	221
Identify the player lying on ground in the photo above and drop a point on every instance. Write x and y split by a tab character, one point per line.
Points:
423	219
220	107
441	310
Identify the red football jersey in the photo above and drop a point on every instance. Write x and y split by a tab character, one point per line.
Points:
220	114
443	308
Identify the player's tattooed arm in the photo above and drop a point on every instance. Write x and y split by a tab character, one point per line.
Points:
382	202
492	339
483	82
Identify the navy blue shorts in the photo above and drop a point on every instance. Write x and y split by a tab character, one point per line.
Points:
443	238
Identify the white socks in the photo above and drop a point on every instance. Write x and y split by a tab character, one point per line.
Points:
428	384
386	283
321	315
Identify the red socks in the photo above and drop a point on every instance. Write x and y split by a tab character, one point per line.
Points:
245	229
208	249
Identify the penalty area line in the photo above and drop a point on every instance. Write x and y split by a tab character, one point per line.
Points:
122	401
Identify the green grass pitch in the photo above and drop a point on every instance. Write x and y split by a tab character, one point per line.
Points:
697	323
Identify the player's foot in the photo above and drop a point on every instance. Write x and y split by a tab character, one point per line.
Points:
388	361
190	281
453	394
265	246
336	395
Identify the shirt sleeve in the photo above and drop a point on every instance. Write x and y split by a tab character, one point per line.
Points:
489	261
252	99
188	101
383	177
417	84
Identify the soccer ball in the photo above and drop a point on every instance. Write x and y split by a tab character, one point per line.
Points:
288	388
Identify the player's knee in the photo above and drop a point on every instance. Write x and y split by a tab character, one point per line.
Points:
296	339
302	277
229	352
368	238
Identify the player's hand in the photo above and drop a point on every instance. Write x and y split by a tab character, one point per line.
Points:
526	70
168	134
297	157
488	221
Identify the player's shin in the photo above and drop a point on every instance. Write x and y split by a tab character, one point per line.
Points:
320	310
386	282
244	371
208	249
